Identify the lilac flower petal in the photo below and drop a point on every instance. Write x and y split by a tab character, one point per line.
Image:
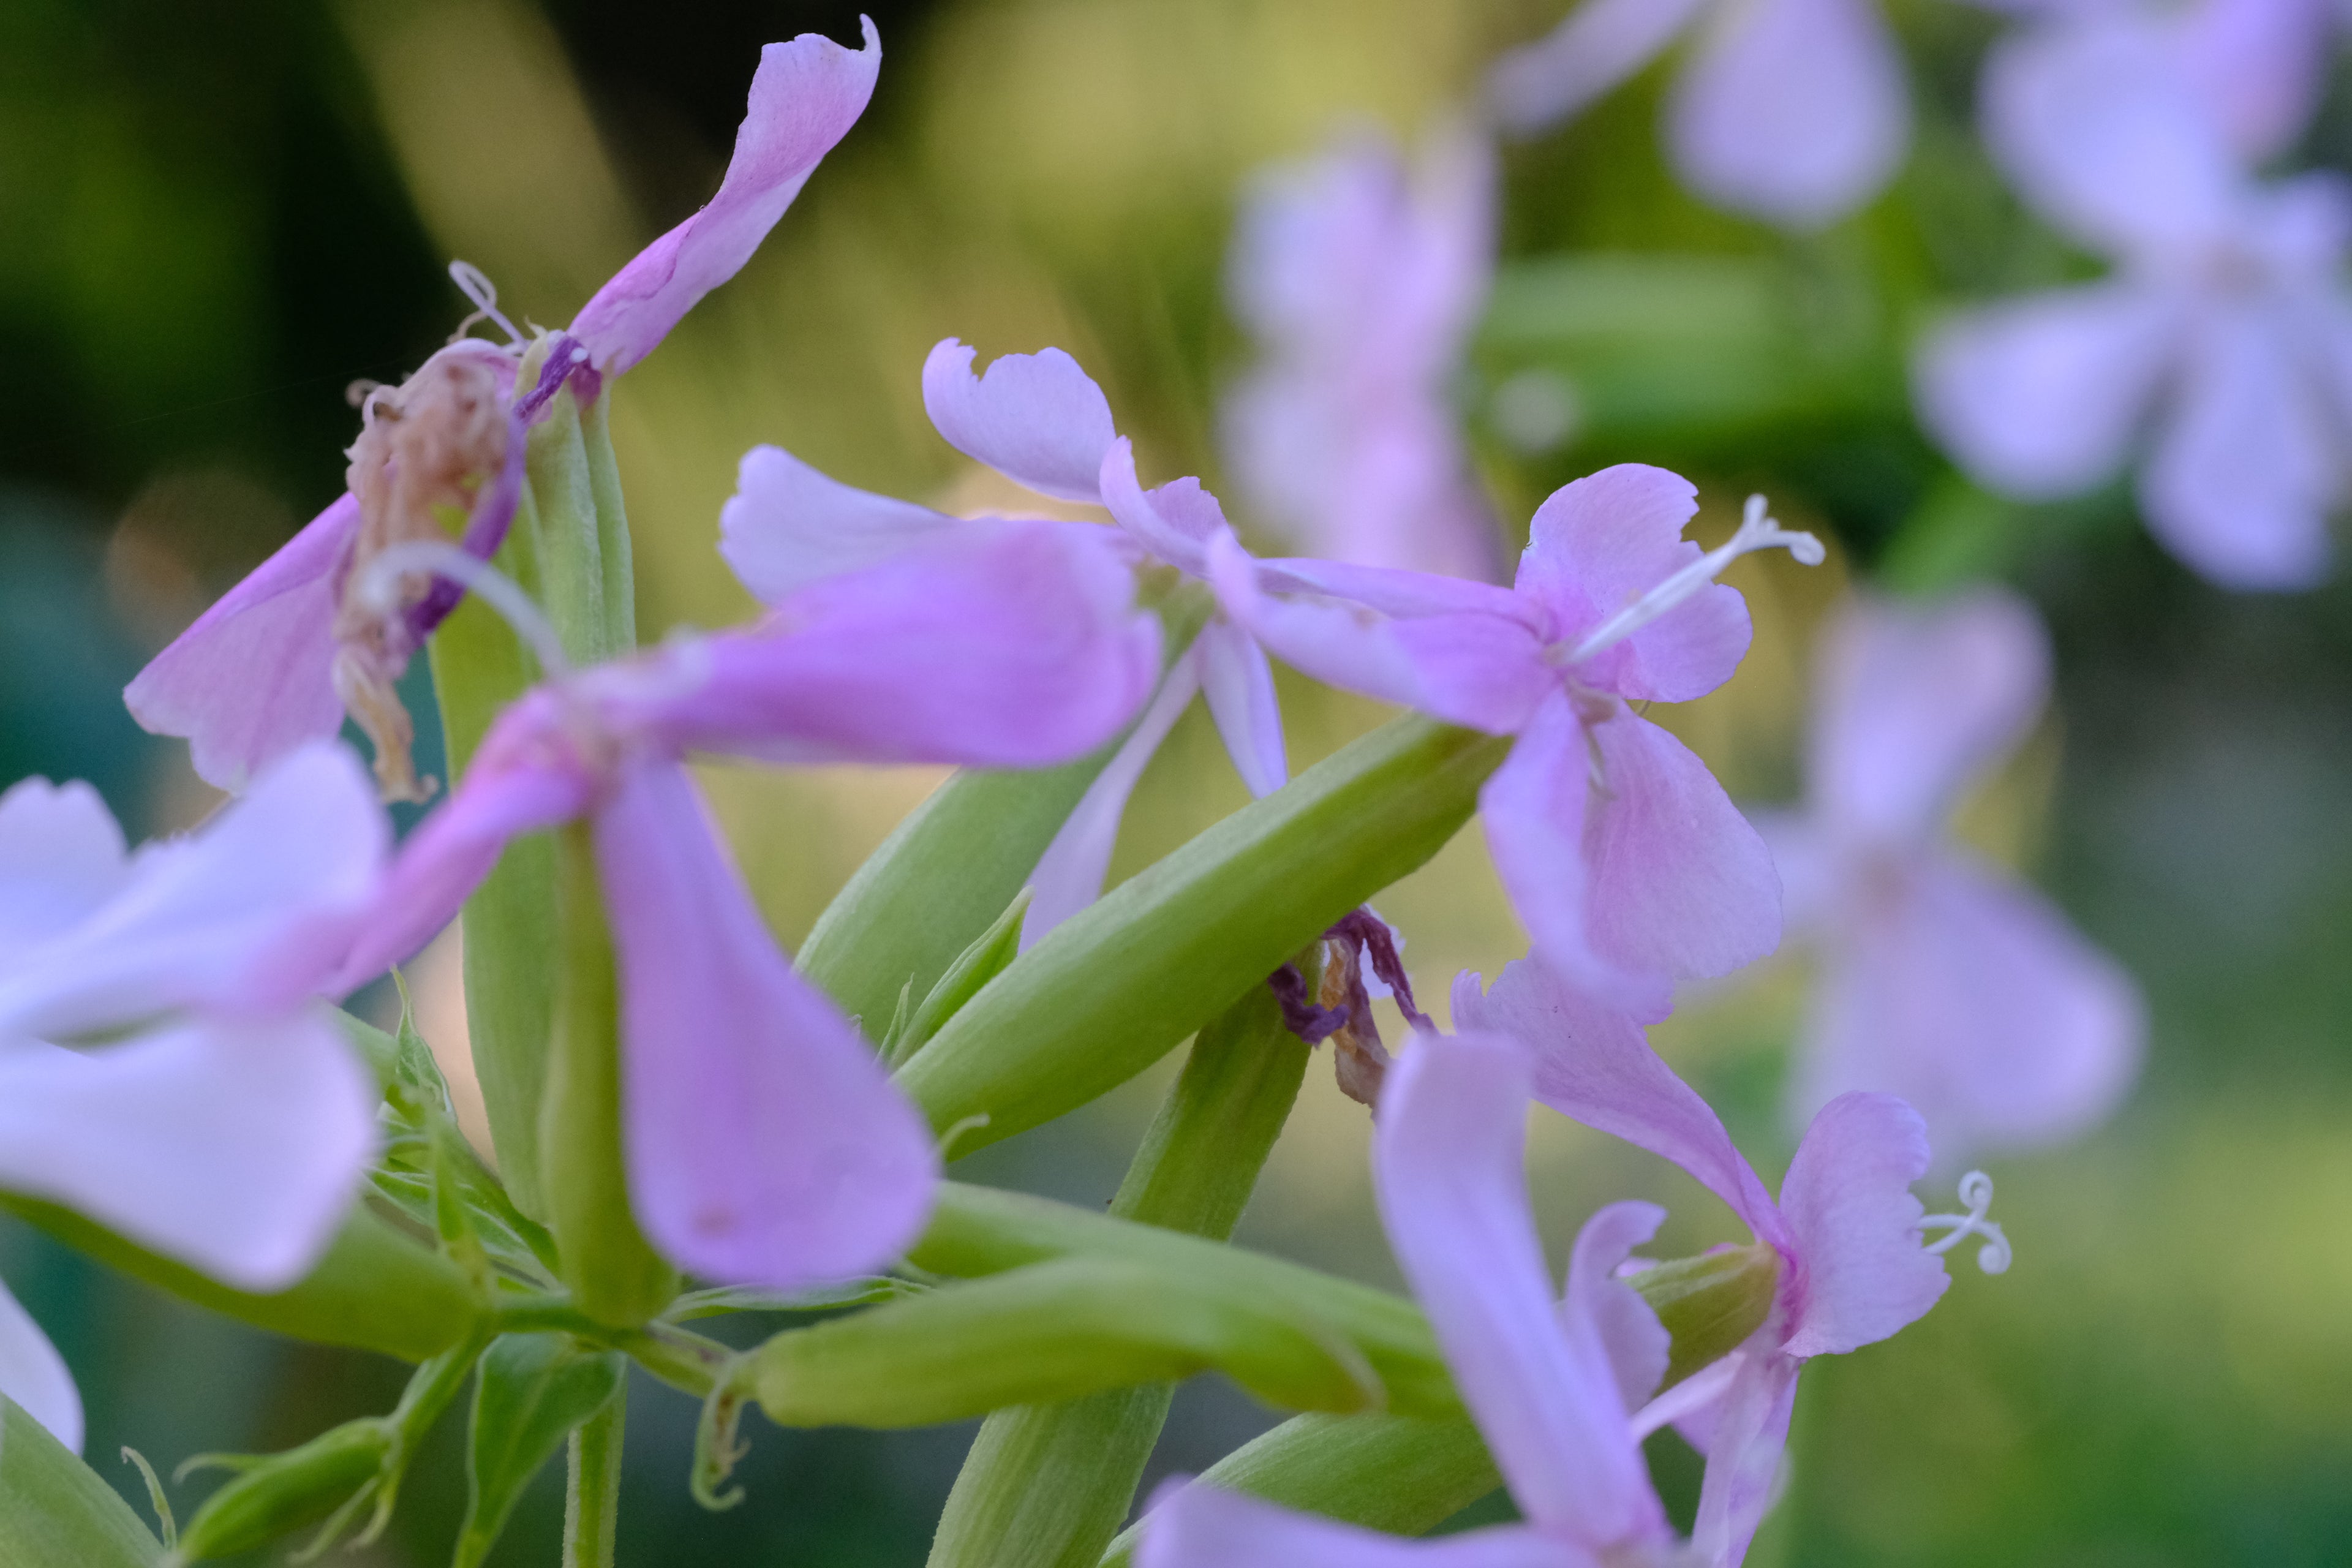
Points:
1915	704
1174	523
1483	670
2245	469
251	679
2038	398
33	1375
765	1143
1238	685
1202	1526
1069	875
1805	854
1392	590
787	525
197	917
1847	1200
1015	645
1680	883
61	856
1449	1163
1748	1432
1602	43
2098	126
804	97
1535	810
1605	1317
2258	66
1036	418
1971	995
1594	1066
1602	542
1792	110
236	1149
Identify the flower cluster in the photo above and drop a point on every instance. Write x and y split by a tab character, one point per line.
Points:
674	1102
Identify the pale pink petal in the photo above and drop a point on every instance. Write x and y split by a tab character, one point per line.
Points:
236	1148
1600	44
33	1376
2257	64
1196	1525
1594	1066
1010	645
1606	1319
1748	1432
252	679
1175	523
804	97
61	856
1792	110
1484	670
1394	591
2246	468
1069	875
1681	885
1535	810
1238	685
765	1143
2098	126
787	525
1036	418
1602	542
198	918
1914	703
2039	397
1847	1201
1449	1163
1973	997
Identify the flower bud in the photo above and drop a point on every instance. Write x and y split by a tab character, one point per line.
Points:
283	1493
1710	1304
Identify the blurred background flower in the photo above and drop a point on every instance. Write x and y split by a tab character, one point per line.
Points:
213	220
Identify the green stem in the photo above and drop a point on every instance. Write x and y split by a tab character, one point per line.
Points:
591	1498
1049	1485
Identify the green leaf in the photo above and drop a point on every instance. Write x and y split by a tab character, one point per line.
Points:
531	1392
57	1513
375	1289
1112	989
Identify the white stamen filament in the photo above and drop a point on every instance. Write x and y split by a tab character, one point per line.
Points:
476	286
378	587
1698	1390
1976	1191
1757	530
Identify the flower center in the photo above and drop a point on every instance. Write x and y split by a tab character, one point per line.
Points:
1976	1191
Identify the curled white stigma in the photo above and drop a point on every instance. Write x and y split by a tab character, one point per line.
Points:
1757	530
1976	1191
475	286
377	585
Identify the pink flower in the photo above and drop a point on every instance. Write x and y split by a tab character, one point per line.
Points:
2224	333
287	653
164	1068
1943	979
765	1143
1792	110
1623	858
1360	281
1848	1231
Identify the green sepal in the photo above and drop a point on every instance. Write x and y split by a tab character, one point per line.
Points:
616	1277
1398	1474
1115	987
1050	1332
57	1513
274	1495
1710	1304
979	1231
1047	1485
531	1392
376	1289
978	964
947	871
